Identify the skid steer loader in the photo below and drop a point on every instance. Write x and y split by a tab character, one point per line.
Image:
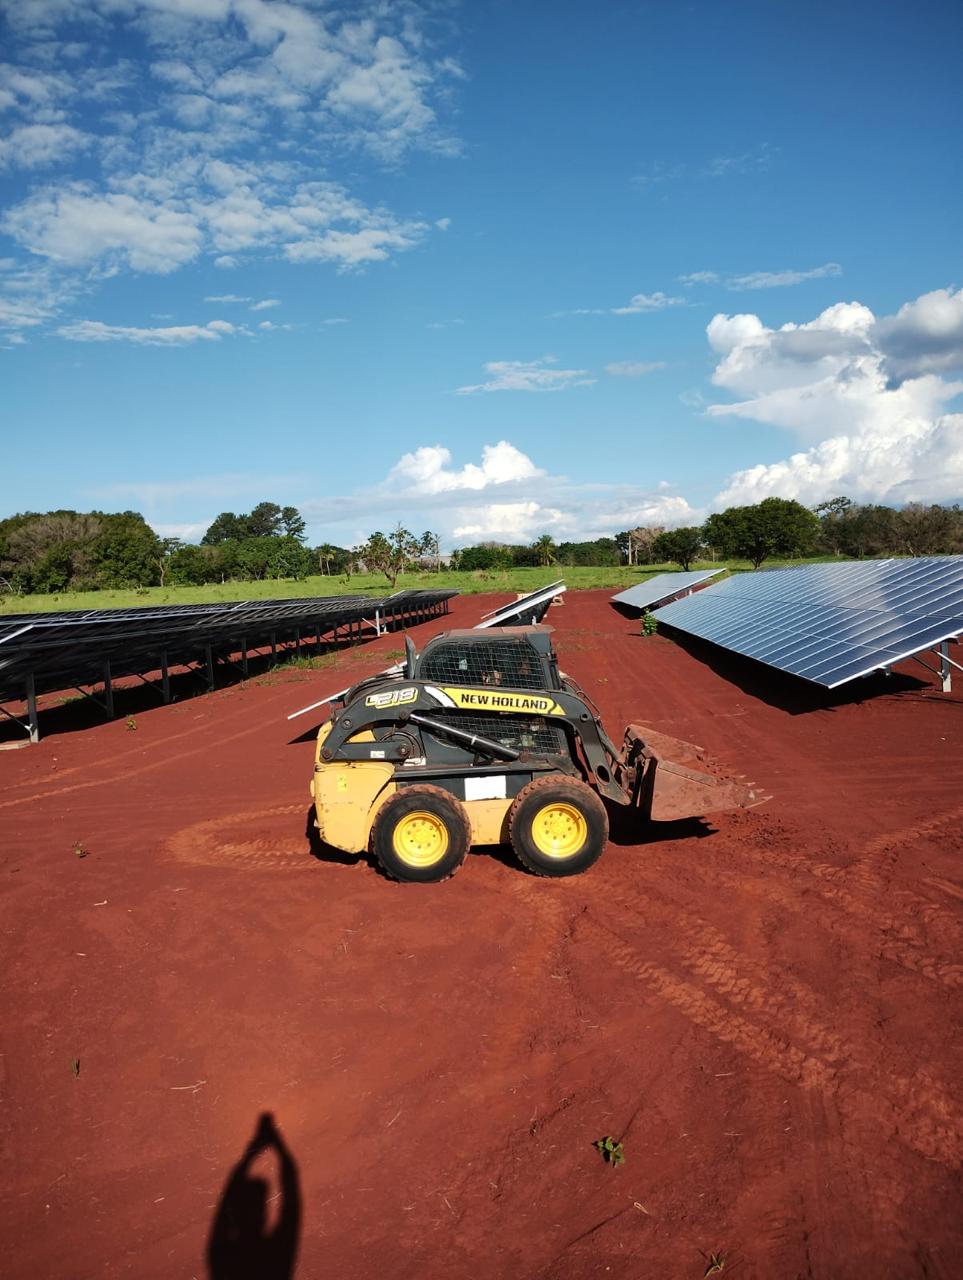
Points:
480	739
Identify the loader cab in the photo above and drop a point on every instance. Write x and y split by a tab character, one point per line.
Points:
511	658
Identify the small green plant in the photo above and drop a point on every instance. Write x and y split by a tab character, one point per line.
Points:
80	849
75	1067
131	724
649	625
715	1262
610	1150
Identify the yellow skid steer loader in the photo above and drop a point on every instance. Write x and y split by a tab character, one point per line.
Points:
480	739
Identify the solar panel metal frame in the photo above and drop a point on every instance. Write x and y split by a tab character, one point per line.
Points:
537	602
830	623
641	596
48	652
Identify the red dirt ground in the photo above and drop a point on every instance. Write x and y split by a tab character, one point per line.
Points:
762	1007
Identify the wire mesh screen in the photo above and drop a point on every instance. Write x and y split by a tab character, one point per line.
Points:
510	663
524	733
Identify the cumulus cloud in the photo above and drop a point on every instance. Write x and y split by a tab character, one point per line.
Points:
633	368
168	336
528	375
864	395
429	468
925	336
505	496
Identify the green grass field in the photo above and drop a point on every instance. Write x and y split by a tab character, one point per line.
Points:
518	580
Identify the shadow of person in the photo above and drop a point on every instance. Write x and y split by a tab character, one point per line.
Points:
242	1245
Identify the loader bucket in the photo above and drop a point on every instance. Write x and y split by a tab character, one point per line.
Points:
675	779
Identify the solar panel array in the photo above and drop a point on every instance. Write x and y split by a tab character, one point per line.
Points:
663	586
63	650
829	623
527	609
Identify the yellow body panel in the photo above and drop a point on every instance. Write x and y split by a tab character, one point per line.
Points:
489	820
347	796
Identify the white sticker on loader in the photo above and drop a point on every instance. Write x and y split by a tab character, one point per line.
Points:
486	788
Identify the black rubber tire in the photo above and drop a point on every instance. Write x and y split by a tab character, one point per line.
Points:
554	789
421	799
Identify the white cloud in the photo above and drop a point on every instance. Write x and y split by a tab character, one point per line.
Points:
657	301
227	297
37	146
169	336
159	225
633	368
212	131
503	497
781	279
265	304
762	279
528	375
756	160
699	277
429	469
925	336
77	226
861	393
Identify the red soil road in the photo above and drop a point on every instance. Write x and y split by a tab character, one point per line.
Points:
761	1007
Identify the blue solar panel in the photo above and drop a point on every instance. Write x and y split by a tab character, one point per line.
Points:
829	623
662	587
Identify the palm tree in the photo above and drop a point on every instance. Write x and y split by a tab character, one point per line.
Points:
544	548
325	553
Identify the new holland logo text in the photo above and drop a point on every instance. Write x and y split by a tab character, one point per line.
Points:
391	698
492	700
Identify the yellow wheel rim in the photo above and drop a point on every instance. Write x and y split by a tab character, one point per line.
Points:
559	830
420	839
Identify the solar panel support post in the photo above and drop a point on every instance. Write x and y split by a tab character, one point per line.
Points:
274	647
165	677
244	656
33	723
209	661
297	642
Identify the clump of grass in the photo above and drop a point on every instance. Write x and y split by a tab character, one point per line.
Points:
75	1067
80	849
610	1150
715	1262
131	724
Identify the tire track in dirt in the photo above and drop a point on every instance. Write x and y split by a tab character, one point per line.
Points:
776	1053
926	1116
900	940
210	843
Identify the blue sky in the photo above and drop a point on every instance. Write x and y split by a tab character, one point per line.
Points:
490	269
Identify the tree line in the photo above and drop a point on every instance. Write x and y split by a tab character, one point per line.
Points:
56	551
